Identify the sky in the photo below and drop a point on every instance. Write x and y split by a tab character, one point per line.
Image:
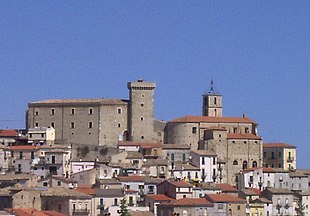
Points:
256	52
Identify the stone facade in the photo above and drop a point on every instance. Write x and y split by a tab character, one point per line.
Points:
99	121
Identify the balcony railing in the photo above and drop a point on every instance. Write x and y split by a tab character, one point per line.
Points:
80	212
290	159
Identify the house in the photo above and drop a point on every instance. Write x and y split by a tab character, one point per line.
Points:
276	177
226	204
250	178
227	189
186	206
67	201
186	172
279	155
282	200
175	189
153	200
57	181
155	168
205	188
267	205
41	136
23	156
299	181
175	153
206	161
85	177
30	198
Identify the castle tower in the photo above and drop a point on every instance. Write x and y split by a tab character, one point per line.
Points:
212	103
141	110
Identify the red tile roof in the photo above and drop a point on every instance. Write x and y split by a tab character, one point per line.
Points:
89	191
226	188
190	202
158	197
8	133
33	212
209	119
224	198
24	147
278	145
180	184
243	136
257	191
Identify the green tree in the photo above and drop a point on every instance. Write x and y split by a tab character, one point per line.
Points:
123	211
300	208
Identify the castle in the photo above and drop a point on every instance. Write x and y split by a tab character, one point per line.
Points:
107	121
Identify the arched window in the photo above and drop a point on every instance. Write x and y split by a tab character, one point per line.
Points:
244	165
254	164
235	162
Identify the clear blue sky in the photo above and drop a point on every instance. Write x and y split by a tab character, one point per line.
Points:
258	53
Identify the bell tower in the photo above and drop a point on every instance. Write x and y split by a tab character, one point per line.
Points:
212	103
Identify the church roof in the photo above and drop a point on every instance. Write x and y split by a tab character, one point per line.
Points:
210	119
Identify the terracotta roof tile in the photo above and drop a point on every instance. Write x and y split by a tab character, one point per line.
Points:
224	198
180	184
190	202
243	136
8	133
209	119
278	145
226	188
24	147
89	191
159	197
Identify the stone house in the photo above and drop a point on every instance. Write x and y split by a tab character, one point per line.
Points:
282	200
175	153
28	199
57	181
153	200
155	168
86	177
175	189
299	181
186	206
186	172
225	204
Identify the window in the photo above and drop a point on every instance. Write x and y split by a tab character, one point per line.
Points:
244	165
115	202
44	184
203	160
72	111
90	111
119	110
235	130
141	118
235	162
194	130
90	124
20	155
52	111
184	157
42	135
172	157
280	155
142	137
215	101
119	125
32	155
272	155
59	183
254	164
52	124
246	130
238	207
72	125
142	104
214	161
36	124
36	112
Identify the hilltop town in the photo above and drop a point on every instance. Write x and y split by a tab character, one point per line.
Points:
100	157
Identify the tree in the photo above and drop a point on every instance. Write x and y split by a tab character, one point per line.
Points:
123	211
300	208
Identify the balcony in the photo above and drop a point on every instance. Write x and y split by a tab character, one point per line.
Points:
81	212
290	159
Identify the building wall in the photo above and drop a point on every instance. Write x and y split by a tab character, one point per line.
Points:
141	111
27	199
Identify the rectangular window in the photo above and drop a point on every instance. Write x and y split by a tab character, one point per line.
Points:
53	124
280	155
90	111
119	125
235	130
72	111
214	161
36	112
72	125
246	130
194	130
52	111
184	157
119	110
59	183
172	157
20	155
203	160
272	155
36	124
115	201
90	125
32	155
